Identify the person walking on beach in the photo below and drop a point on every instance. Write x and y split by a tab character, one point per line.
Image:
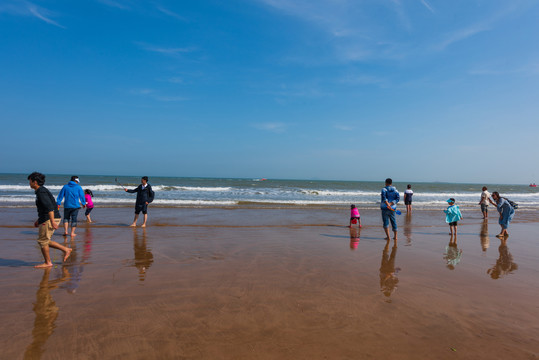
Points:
506	210
388	204
408	193
74	198
48	219
485	199
145	195
355	217
452	216
88	195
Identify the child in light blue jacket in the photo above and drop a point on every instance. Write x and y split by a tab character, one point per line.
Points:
452	216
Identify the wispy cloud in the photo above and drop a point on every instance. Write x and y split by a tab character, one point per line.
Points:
26	8
171	13
460	35
156	95
276	127
164	50
115	4
343	127
427	5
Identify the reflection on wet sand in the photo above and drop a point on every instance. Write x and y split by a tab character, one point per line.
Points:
504	265
388	272
143	255
354	237
46	313
408	228
76	267
483	235
452	253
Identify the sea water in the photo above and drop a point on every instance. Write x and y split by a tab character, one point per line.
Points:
225	192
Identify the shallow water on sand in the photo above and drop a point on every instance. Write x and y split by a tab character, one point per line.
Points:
270	284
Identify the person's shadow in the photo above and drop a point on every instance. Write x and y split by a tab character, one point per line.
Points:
46	313
388	272
504	265
143	255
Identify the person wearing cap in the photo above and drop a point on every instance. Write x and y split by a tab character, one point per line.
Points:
74	198
452	216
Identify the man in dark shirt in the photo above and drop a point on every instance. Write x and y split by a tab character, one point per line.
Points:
48	219
145	196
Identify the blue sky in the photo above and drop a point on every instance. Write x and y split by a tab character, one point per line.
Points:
418	90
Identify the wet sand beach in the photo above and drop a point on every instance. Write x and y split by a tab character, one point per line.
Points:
271	284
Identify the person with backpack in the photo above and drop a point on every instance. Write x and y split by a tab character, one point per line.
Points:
506	210
145	195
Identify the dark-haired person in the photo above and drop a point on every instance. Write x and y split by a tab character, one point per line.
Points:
388	204
506	213
145	196
74	198
48	219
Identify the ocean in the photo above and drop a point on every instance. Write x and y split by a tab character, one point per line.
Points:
223	192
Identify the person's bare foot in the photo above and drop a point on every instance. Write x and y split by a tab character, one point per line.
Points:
43	266
133	225
73	235
67	253
143	225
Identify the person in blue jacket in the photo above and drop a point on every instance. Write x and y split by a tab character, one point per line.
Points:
506	213
452	216
388	204
74	198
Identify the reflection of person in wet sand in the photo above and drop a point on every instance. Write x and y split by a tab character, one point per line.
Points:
504	264
452	253
143	256
46	313
78	266
483	234
408	228
48	219
388	272
354	237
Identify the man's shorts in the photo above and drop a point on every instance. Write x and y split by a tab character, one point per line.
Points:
70	215
141	207
454	223
407	202
484	207
45	232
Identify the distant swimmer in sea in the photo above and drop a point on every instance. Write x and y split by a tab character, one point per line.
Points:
145	195
452	216
506	210
408	193
388	204
48	219
355	217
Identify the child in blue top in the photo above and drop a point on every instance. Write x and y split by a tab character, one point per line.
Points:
452	216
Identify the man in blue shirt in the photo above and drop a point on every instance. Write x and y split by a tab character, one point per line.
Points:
74	195
388	204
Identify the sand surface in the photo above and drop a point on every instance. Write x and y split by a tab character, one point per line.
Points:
270	284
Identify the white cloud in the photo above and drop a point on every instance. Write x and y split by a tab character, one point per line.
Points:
276	127
164	50
171	13
26	8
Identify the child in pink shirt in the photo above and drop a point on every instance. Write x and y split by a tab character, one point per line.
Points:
354	216
89	204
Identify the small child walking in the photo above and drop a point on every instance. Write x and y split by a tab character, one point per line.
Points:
354	216
88	195
452	216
